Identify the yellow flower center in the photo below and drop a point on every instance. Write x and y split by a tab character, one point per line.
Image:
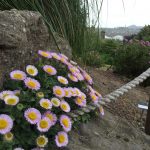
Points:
64	106
66	93
43	124
49	70
50	116
61	138
82	97
44	54
58	91
77	92
55	102
61	80
41	141
8	136
31	84
55	56
72	69
30	71
62	59
87	77
79	100
18	76
11	101
72	77
32	115
65	122
93	97
45	105
3	124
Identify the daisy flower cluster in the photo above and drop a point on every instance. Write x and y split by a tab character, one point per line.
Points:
40	99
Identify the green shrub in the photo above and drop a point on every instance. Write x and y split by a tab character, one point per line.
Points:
132	59
144	34
34	105
109	46
107	58
92	58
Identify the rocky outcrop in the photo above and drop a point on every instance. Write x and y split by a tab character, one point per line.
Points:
22	33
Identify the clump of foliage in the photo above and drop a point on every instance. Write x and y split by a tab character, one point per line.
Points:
132	59
144	34
107	50
35	105
92	58
109	46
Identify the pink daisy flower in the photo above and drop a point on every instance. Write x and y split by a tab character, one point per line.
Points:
82	96
79	76
63	60
58	91
101	110
3	94
55	102
44	53
74	91
56	56
72	78
80	102
66	123
94	97
61	139
94	91
45	103
68	92
50	70
87	78
63	56
73	62
77	91
62	80
16	92
74	69
65	106
32	84
11	100
31	70
6	124
44	124
17	75
32	115
51	116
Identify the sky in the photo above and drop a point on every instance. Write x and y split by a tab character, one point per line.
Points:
113	14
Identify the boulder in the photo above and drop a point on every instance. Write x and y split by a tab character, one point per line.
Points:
22	33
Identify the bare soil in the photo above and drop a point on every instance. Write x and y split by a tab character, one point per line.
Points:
120	128
126	105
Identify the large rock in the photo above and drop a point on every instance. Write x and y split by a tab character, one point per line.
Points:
22	33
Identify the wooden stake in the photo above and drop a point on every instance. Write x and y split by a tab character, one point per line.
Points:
147	125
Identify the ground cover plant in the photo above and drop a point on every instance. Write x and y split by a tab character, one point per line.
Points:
34	103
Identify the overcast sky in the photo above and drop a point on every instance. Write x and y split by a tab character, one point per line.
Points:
137	12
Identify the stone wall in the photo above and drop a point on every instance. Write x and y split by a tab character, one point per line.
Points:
22	33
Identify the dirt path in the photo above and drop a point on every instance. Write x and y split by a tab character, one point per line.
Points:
125	106
119	129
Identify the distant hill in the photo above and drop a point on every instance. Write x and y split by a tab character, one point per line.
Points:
123	31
